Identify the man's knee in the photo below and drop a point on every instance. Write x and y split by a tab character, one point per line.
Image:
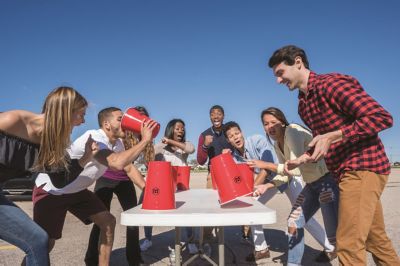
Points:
104	220
51	243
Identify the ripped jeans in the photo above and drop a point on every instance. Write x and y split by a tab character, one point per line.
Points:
324	194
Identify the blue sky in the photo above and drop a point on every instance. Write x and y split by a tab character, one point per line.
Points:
178	58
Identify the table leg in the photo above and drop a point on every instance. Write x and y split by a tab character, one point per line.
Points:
221	248
177	246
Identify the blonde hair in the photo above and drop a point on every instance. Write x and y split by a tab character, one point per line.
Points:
58	109
131	140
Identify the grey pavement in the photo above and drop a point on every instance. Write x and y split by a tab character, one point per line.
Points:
71	248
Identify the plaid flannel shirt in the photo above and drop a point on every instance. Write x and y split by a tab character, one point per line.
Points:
335	101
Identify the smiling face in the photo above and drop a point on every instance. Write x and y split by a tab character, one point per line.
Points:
179	132
294	76
287	75
274	128
235	138
217	118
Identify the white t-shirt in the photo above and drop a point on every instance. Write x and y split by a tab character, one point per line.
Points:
92	171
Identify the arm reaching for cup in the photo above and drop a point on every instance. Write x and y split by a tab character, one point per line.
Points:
261	189
262	165
292	164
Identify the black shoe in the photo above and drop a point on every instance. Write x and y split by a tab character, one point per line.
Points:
324	256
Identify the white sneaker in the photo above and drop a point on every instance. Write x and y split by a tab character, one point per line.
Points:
192	248
207	249
145	245
172	256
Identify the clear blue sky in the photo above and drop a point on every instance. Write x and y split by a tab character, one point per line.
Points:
178	58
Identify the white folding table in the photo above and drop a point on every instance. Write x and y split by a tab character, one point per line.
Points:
200	208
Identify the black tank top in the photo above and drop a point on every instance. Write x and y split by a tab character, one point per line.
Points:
17	156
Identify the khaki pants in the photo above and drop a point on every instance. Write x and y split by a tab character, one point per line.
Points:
361	225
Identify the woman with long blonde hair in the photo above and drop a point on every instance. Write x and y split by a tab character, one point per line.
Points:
31	142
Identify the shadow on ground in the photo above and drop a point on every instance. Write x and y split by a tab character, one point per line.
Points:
236	250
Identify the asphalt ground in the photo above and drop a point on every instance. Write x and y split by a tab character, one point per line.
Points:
70	250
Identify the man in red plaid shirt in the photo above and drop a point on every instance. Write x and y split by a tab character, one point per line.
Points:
345	122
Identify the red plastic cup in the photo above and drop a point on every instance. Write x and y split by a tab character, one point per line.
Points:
132	120
214	185
183	177
247	174
159	192
174	175
230	183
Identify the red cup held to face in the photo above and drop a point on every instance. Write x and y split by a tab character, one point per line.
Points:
132	120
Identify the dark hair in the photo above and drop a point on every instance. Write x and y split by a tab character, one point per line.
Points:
104	114
288	55
227	126
217	107
169	130
277	113
142	110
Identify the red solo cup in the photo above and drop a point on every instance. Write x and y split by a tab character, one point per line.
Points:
132	120
214	185
174	175
183	177
159	192
230	183
247	174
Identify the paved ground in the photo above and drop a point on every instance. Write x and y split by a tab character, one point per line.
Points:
71	248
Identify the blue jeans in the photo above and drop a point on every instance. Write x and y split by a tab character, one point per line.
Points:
19	230
324	194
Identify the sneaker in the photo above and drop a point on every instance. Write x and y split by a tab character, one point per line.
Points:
207	249
145	245
192	248
172	256
258	255
325	256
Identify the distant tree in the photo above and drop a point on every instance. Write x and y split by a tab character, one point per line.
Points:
193	162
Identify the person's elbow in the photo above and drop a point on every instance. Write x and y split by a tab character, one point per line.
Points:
389	121
114	163
201	160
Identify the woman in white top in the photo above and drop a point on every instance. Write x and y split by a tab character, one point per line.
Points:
174	149
321	191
